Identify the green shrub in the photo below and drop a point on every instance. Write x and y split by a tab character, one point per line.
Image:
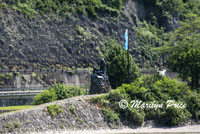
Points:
135	116
72	109
91	11
63	92
155	87
174	116
152	114
2	5
11	126
193	105
116	4
173	7
192	6
60	90
107	11
116	95
16	124
117	65
54	110
150	88
44	97
111	116
26	9
148	81
57	92
169	86
101	100
147	37
134	90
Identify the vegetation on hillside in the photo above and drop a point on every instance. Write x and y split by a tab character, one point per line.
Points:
170	8
147	37
182	50
5	78
54	110
63	7
155	89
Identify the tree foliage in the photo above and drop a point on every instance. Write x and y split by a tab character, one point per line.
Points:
117	65
170	10
185	51
171	7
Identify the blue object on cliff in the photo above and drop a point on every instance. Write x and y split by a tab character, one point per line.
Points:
126	40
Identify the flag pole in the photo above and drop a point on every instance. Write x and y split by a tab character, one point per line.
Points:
126	47
128	64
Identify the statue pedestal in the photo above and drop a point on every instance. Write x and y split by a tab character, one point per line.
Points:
99	84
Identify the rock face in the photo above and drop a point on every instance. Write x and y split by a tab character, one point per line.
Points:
76	113
47	40
99	84
170	24
74	41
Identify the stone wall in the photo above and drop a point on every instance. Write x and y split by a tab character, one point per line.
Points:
76	113
28	79
21	88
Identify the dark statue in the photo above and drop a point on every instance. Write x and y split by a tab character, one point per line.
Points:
102	65
99	80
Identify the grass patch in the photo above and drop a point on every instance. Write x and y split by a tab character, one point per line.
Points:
54	110
72	109
16	107
11	126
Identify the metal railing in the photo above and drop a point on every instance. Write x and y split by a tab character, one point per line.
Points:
44	70
19	93
33	87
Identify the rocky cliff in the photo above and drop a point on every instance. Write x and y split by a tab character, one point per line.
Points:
49	40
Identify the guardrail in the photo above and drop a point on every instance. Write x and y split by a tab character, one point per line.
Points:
19	93
22	88
32	87
44	70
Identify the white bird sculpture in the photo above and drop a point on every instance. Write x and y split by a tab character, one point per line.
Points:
162	72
